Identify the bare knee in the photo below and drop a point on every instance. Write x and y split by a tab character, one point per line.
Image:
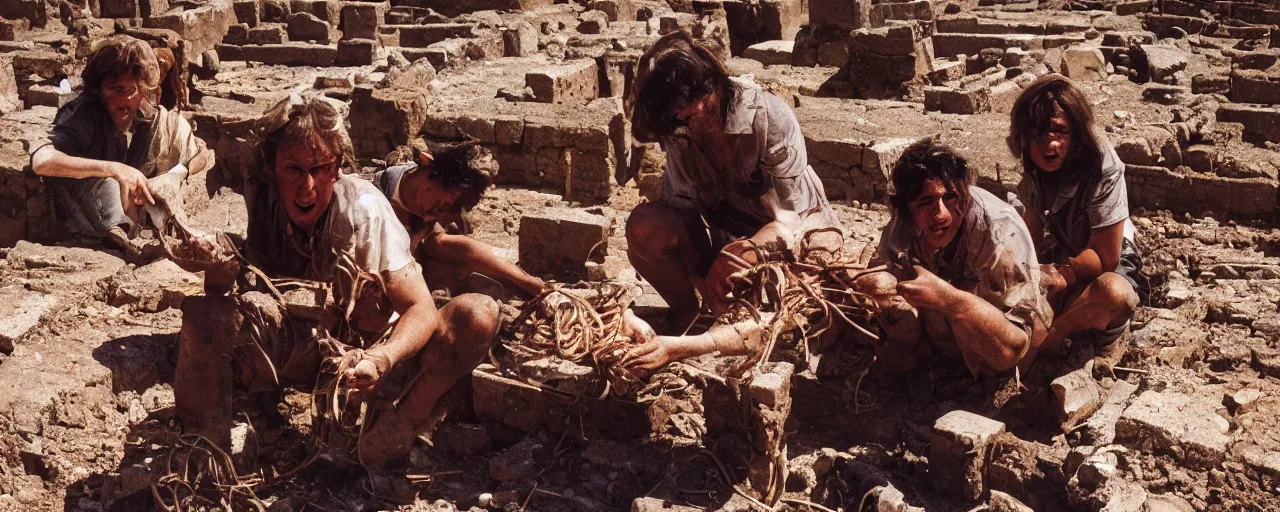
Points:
1116	294
653	229
473	319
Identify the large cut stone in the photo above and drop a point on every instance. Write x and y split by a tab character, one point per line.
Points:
1165	420
563	240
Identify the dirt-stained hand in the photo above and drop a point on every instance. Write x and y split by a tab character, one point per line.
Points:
926	291
653	354
635	329
364	375
1051	281
133	186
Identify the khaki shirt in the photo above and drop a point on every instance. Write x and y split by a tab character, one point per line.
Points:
992	257
772	170
1070	211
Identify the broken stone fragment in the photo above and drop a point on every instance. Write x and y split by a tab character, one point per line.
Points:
1001	502
957	453
1076	396
1187	425
1245	400
21	310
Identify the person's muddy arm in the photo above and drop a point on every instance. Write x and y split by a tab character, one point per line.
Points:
418	316
741	338
476	256
980	328
1102	254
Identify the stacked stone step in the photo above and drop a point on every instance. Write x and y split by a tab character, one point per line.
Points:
882	49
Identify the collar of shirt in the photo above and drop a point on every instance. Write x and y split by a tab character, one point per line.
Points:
740	120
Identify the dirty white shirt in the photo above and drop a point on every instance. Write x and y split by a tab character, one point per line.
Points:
772	171
992	257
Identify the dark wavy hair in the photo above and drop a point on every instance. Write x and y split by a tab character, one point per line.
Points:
685	73
465	166
1045	98
314	122
121	55
927	160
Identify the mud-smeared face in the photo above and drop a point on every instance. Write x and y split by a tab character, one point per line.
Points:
936	213
1049	149
427	199
701	116
305	174
122	96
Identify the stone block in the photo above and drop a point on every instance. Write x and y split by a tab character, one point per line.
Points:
1254	86
593	22
268	33
833	54
1163	61
422	36
772	52
1100	429
957	101
1133	7
201	28
616	10
958	451
356	52
248	12
237	35
154	287
118	8
9	100
1083	63
561	241
306	27
1210	84
34	11
328	10
1168	420
48	95
14	30
47	65
21	310
900	40
275	11
571	82
1076	396
950	45
1160	24
385	119
946	70
292	54
520	40
918	10
850	14
360	20
1260	123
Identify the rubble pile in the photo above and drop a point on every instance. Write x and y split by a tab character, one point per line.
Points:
1187	91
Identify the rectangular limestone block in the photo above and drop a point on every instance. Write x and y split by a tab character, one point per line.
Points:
958	453
957	101
520	39
384	119
1255	86
561	241
771	53
1162	420
1076	396
13	30
356	52
327	10
360	20
950	45
571	82
292	54
267	33
422	36
248	12
844	13
1260	123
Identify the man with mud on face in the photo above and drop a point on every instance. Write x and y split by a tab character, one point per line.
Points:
111	139
964	260
737	176
309	219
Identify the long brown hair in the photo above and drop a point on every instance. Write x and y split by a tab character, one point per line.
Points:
121	55
673	74
1045	98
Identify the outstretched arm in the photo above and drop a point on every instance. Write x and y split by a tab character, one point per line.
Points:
49	161
478	257
418	322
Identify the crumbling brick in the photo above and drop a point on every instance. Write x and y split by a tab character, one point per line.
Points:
457	7
248	12
9	100
1253	86
520	40
1084	63
267	33
384	119
772	52
571	82
305	27
958	452
13	30
360	20
356	52
850	14
562	240
957	101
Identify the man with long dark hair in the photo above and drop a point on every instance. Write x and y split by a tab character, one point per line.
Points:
1074	190
737	174
964	260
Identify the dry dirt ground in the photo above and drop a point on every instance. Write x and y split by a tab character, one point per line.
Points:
86	403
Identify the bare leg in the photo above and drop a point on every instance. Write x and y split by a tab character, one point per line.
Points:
203	380
468	326
1107	303
664	245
